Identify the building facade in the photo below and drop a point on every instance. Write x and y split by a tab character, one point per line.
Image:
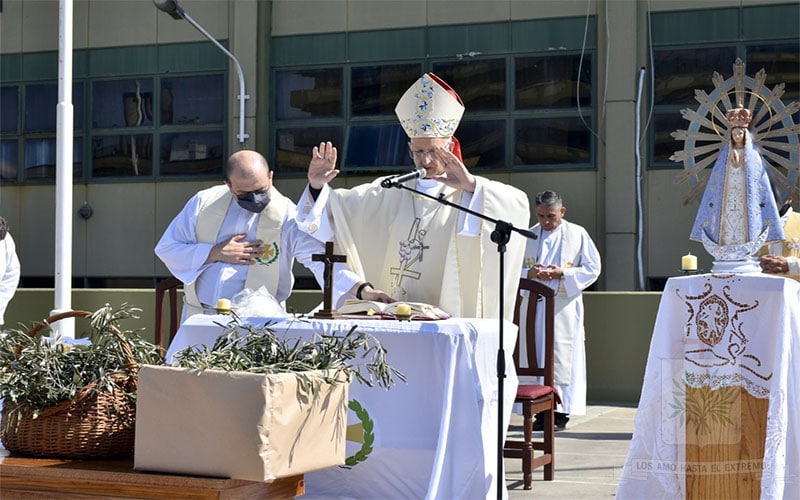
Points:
576	96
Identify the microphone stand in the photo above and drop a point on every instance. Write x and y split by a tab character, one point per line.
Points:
500	235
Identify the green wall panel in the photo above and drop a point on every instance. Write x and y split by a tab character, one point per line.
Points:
386	45
40	66
309	49
80	64
188	57
433	41
771	22
490	38
122	61
10	68
547	34
118	61
695	26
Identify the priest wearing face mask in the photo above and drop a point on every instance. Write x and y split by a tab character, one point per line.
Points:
241	234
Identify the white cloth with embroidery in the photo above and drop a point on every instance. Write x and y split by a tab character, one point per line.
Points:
417	250
714	331
185	257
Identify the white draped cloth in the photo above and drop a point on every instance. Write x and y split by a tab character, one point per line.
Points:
571	248
419	250
436	436
185	257
9	273
719	331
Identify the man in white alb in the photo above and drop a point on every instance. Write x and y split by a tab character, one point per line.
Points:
241	234
9	268
414	248
566	259
783	257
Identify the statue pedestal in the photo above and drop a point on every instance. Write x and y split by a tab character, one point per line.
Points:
749	265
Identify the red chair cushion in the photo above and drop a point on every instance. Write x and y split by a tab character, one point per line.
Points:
533	391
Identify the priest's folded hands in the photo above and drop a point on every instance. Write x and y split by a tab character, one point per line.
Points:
774	264
236	251
545	273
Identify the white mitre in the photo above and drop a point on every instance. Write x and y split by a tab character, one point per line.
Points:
429	108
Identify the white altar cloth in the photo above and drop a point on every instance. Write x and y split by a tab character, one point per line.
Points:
757	317
436	436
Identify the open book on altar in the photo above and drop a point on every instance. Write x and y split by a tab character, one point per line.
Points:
419	310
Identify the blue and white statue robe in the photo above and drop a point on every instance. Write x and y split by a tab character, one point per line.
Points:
738	205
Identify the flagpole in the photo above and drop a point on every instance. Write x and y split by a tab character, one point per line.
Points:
64	137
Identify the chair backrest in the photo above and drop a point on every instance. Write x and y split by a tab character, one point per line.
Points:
169	285
541	300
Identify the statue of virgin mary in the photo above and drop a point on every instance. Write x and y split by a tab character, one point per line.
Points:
738	214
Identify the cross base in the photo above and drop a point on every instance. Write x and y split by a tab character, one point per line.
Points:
326	314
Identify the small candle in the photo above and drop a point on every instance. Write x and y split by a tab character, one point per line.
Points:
689	262
223	306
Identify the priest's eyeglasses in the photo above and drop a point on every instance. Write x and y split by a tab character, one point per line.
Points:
420	154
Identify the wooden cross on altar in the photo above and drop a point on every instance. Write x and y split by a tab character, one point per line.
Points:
328	258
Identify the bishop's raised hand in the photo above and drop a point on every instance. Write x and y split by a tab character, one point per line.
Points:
322	167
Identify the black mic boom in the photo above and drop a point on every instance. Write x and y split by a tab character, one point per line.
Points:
393	181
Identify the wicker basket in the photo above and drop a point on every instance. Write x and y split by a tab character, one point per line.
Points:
89	426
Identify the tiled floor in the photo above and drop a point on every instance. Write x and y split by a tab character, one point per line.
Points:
590	454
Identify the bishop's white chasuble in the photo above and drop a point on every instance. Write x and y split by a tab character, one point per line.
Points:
416	249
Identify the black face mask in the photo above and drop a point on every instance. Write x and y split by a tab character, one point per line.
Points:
254	202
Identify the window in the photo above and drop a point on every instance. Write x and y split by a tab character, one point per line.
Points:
356	103
309	107
190	108
9	128
763	37
140	127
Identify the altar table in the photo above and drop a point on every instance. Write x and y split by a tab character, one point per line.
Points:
436	436
718	415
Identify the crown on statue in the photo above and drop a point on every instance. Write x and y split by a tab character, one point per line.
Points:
739	117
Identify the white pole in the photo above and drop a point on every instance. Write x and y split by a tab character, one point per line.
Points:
64	136
640	215
242	136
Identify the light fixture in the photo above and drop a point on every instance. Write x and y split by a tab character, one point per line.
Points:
172	8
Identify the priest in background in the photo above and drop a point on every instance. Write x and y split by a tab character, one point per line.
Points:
783	257
566	259
9	269
242	234
411	247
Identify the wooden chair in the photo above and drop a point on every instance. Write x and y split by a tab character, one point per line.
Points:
169	285
535	398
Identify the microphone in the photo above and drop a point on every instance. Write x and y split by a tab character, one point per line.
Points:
392	181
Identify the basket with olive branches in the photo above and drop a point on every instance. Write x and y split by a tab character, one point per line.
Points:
72	399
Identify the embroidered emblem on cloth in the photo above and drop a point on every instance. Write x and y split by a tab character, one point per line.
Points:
270	254
717	332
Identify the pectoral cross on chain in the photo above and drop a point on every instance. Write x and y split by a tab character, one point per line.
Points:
414	243
328	259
